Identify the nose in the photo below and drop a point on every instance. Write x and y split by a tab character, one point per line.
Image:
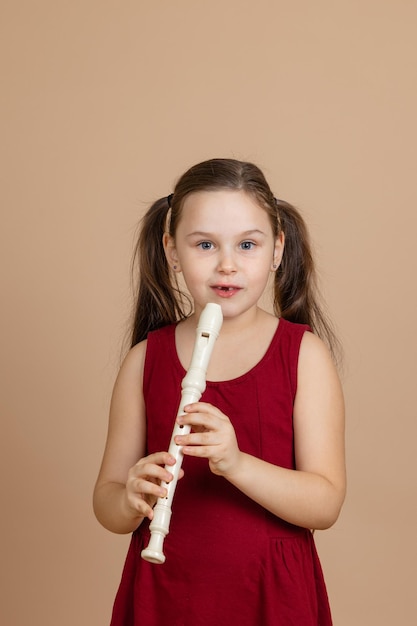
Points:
227	263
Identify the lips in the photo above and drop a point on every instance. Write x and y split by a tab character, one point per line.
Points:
226	291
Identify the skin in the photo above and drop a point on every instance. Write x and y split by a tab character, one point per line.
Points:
226	251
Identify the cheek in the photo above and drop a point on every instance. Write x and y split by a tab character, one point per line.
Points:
192	272
260	265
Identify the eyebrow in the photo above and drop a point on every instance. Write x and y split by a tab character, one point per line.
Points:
246	233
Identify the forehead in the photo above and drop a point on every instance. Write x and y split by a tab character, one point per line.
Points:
221	207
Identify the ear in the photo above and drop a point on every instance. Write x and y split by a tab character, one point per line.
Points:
171	252
278	252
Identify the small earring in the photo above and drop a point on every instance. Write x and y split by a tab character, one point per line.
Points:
174	267
275	266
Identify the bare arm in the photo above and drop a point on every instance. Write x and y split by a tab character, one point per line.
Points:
128	482
312	495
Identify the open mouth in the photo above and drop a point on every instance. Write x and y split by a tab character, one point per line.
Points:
225	290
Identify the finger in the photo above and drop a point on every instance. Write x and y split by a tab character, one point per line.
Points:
204	438
159	458
154	465
140	507
149	472
142	487
199	419
203	452
201	407
140	503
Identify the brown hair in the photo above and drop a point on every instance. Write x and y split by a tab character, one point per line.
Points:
160	301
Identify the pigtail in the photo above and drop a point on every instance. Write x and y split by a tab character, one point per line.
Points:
297	297
156	302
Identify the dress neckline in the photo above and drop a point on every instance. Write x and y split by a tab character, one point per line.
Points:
238	379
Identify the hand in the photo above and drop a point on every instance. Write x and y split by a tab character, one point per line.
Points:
212	437
143	486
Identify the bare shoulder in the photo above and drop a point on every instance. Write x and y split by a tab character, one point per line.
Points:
131	370
319	391
319	403
127	426
315	358
135	358
127	394
312	344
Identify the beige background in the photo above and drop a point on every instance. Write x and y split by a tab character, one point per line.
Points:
104	104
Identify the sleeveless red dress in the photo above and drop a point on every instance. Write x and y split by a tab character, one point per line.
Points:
228	560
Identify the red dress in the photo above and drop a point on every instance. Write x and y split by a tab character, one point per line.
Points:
228	560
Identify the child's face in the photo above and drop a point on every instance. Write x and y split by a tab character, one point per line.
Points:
225	248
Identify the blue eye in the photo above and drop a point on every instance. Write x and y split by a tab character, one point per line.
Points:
205	245
247	245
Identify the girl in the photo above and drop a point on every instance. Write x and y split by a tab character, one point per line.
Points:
264	461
